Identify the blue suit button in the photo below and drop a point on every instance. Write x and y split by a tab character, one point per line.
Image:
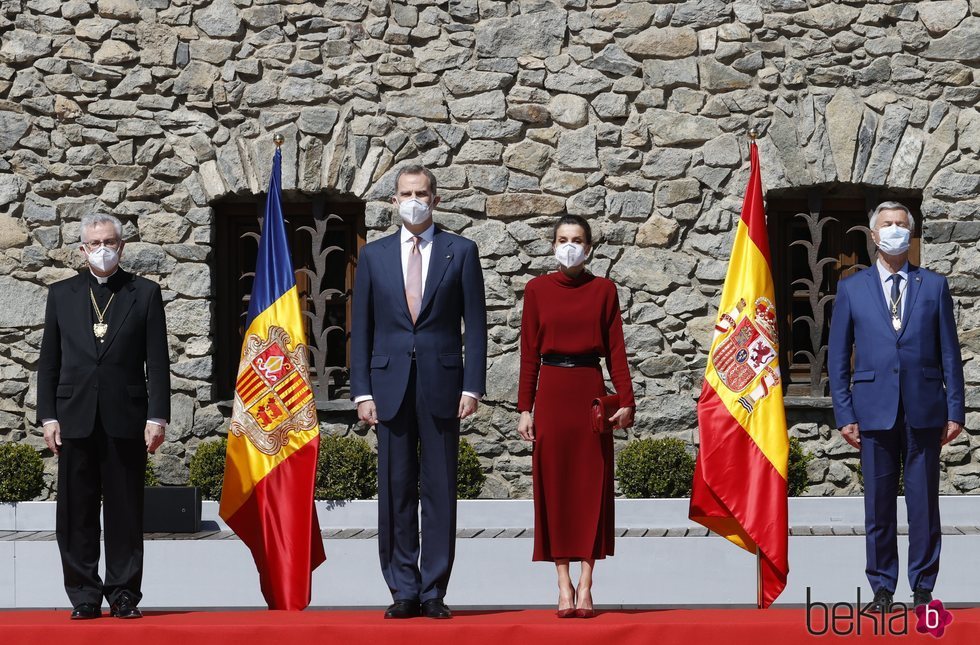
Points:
895	370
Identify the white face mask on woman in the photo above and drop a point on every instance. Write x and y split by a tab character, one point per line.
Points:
414	211
103	259
570	254
893	240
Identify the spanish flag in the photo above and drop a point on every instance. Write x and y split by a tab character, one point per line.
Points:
739	488
274	437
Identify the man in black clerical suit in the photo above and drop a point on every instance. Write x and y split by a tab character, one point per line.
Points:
103	397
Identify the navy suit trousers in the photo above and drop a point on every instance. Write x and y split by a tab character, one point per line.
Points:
883	452
417	458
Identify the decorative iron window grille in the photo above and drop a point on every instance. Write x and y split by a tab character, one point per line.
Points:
818	237
325	237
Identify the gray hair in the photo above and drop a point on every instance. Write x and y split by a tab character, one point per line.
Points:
416	169
888	206
94	219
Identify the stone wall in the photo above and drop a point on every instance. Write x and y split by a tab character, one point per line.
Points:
632	114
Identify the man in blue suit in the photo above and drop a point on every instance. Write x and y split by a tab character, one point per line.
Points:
902	401
418	300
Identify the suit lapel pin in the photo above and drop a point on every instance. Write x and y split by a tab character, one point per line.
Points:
449	257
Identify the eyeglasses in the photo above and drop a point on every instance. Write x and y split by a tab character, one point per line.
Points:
111	243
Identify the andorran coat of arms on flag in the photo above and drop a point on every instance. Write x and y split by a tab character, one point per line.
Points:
273	392
749	348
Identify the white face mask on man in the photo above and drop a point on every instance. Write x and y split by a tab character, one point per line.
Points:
893	240
103	259
570	254
414	211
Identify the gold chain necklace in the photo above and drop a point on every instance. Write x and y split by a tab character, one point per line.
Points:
100	328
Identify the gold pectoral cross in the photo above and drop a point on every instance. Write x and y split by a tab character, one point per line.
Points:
100	329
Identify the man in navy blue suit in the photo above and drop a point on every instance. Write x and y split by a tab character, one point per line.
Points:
418	300
902	401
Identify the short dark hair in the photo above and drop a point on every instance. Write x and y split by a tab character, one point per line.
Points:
575	220
416	169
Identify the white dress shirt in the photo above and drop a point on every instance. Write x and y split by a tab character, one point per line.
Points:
886	284
160	422
425	248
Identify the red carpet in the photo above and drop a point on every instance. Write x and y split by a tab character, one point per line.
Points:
537	627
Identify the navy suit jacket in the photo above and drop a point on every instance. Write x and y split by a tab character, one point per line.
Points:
383	336
919	365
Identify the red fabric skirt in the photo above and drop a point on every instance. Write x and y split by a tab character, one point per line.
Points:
572	468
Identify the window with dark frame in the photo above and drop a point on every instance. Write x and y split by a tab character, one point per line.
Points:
818	237
325	237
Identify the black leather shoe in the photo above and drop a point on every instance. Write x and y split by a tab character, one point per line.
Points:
882	601
436	608
921	597
125	607
86	611
403	609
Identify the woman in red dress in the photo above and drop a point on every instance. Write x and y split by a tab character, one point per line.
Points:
571	319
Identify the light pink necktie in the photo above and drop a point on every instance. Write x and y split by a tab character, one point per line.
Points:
413	281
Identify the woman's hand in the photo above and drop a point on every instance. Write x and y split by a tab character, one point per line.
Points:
623	418
526	426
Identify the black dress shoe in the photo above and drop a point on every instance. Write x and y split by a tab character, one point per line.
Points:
125	607
86	611
403	609
882	601
436	608
921	597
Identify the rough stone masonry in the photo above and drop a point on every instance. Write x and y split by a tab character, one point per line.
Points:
632	114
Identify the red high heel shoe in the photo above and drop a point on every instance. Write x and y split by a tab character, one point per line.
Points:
568	613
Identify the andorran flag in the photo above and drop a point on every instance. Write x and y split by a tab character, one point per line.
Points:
273	441
739	488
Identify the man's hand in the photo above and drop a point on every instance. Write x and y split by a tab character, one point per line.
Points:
467	406
153	435
526	426
623	418
952	430
851	435
52	436
367	412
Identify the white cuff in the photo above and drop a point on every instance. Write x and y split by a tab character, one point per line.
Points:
45	422
363	398
473	395
160	422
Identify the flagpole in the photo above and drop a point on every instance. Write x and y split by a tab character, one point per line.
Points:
753	135
758	578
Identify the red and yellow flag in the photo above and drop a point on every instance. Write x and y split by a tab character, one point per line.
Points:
274	438
739	488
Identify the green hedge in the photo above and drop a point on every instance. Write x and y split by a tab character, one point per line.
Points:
208	468
655	468
469	476
796	482
21	473
347	469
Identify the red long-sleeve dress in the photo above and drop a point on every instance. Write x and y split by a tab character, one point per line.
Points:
572	465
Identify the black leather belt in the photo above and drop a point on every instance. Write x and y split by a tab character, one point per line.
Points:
570	360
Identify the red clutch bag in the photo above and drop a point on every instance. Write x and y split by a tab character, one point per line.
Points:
603	408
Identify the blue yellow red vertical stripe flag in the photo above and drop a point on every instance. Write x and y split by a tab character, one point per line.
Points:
739	488
274	438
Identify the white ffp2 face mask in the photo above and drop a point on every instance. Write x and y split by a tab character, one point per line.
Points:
103	259
414	211
894	240
570	254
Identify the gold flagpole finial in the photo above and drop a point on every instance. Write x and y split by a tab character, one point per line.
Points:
753	134
278	139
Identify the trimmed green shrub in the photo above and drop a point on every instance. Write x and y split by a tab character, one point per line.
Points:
347	469
655	468
150	476
796	481
208	468
21	473
469	476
